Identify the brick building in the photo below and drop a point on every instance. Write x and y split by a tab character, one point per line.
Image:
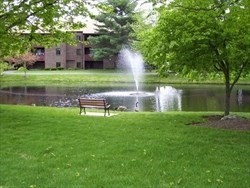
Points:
70	57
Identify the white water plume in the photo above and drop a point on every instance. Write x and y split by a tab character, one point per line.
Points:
135	61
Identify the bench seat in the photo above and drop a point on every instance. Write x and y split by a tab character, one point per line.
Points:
93	103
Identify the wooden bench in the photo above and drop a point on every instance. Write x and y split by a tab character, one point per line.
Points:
93	103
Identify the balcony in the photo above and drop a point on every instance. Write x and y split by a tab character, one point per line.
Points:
88	57
40	56
40	53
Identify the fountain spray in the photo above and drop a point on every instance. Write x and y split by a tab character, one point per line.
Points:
135	61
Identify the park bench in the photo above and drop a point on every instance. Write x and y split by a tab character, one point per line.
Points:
93	103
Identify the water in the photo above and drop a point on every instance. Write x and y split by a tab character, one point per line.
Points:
159	98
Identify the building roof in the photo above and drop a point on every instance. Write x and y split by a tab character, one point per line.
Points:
90	26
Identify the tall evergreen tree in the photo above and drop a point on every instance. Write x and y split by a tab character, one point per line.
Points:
114	26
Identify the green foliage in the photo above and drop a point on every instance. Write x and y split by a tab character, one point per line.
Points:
201	38
3	66
198	35
23	69
114	26
23	22
142	31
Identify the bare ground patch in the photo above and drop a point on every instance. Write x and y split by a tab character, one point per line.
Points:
217	121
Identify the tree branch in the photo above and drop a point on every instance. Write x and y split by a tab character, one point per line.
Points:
217	68
221	62
239	74
221	65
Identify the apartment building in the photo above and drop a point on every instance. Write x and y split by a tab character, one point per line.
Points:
70	57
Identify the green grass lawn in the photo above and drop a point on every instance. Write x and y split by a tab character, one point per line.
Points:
56	147
88	77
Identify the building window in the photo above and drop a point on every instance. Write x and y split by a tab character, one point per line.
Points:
78	51
78	37
58	64
86	37
78	64
87	50
58	51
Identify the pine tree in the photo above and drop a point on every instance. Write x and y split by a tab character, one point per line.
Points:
114	27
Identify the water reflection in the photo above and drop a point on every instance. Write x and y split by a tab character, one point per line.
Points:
239	94
153	98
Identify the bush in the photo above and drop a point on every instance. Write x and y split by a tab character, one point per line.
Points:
3	66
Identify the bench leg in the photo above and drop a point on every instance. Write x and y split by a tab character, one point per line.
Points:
105	111
84	111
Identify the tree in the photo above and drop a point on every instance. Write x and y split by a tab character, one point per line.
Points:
201	37
3	66
23	60
114	26
22	22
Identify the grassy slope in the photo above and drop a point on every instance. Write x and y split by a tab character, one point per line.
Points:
51	147
76	77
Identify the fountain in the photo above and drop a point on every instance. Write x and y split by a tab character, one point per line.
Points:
136	98
135	61
167	97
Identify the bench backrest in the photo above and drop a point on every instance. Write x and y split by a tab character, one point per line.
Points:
92	102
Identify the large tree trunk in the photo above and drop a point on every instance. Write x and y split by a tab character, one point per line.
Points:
228	88
25	69
227	98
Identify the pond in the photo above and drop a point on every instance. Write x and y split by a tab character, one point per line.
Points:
151	97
